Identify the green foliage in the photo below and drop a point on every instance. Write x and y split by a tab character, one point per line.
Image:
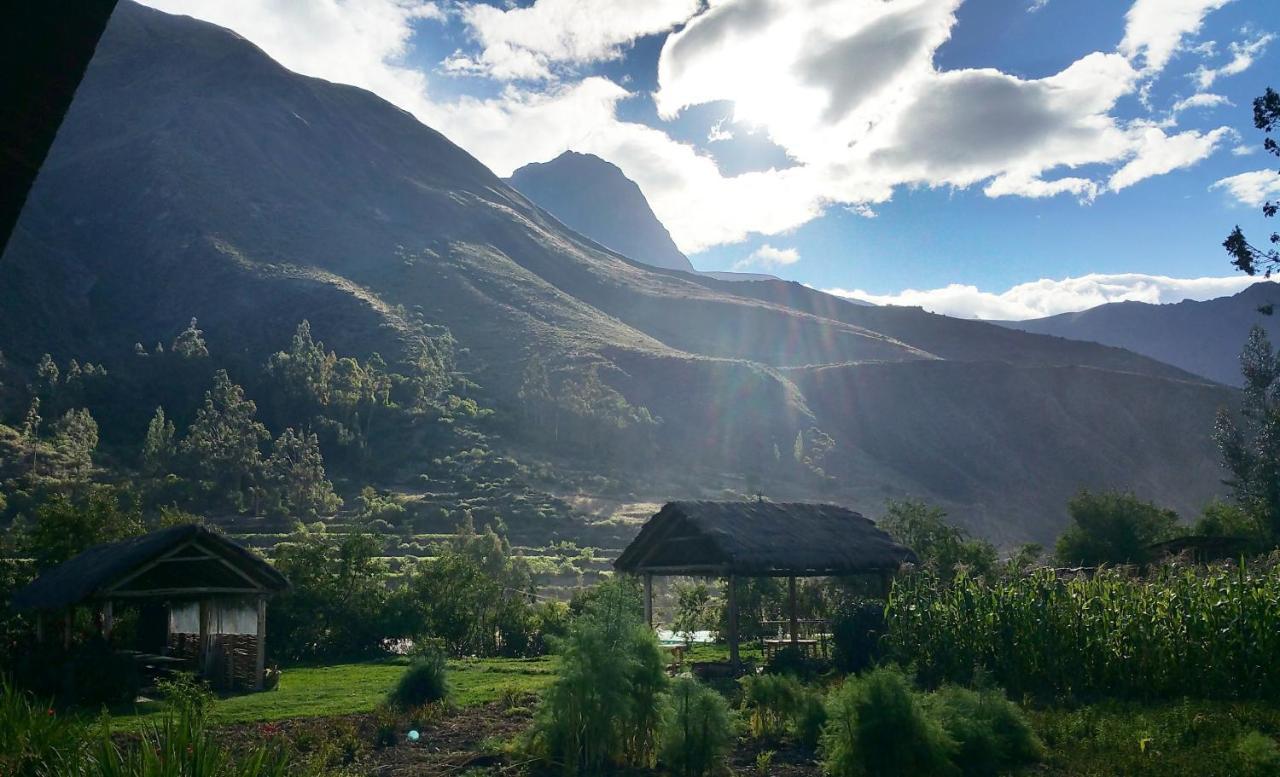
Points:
425	681
376	507
65	525
222	443
1246	257
991	733
808	718
1182	632
878	727
1258	754
76	437
1222	519
1248	448
337	606
696	735
185	693
856	629
605	706
1112	528
295	473
159	447
770	701
189	344
35	741
941	546
693	608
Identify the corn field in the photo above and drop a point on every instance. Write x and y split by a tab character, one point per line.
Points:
1211	633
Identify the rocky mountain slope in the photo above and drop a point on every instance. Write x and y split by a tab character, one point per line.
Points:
194	176
1203	338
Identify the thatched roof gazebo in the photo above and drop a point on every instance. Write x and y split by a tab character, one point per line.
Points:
211	593
759	539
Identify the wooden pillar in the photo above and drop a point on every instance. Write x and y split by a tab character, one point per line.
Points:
67	617
886	584
795	631
40	627
733	622
108	620
648	599
261	664
203	651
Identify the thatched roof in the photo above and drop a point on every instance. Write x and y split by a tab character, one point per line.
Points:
112	568
761	539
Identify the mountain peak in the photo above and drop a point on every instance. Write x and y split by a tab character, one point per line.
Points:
593	196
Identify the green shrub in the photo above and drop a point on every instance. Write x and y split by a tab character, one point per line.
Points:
184	691
856	629
792	661
991	733
605	707
770	701
34	740
877	727
696	735
808	718
426	680
1257	754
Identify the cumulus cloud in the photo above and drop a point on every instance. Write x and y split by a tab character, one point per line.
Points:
849	91
1243	54
524	43
1155	29
767	256
1201	100
1253	188
1047	297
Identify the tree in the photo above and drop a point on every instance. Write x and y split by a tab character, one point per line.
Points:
1251	448
158	446
222	442
296	468
64	527
1245	256
31	432
189	344
1112	528
941	546
535	394
76	437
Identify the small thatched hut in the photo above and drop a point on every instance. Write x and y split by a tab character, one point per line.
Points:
758	539
202	598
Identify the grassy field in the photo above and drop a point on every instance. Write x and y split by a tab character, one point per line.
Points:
340	689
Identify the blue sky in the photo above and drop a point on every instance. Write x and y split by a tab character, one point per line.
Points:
856	145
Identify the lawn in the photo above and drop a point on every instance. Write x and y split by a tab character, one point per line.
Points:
339	689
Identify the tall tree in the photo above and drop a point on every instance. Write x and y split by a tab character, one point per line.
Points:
1251	448
46	377
189	344
1112	528
223	441
158	447
1244	255
76	437
31	432
296	468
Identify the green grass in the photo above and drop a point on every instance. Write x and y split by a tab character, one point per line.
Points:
341	689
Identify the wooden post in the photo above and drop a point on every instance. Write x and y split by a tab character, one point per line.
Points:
261	664
67	617
733	622
886	584
108	620
795	635
203	653
40	627
648	599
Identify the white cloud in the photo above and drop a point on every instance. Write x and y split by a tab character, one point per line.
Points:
1158	153
1252	188
1154	29
719	133
1036	5
768	256
1047	297
1243	54
1242	150
1201	100
849	91
525	43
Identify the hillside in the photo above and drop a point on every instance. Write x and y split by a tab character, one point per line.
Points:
1203	338
196	177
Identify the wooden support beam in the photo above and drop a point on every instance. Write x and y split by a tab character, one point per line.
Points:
648	599
204	653
260	666
67	617
108	620
733	622
795	636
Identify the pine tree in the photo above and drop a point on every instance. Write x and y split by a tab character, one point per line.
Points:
31	432
158	447
296	468
797	450
76	436
46	376
223	441
1251	450
189	344
535	391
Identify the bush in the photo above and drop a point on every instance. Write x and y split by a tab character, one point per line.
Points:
792	662
425	681
605	707
876	726
808	719
1258	754
697	734
856	629
770	701
34	740
991	733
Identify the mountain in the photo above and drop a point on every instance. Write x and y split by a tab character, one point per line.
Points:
1203	338
196	177
595	198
